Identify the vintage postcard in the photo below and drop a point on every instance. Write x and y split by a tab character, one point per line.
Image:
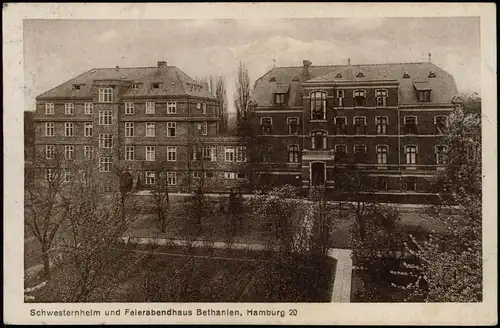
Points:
265	163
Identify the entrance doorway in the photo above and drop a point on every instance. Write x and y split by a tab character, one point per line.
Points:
318	173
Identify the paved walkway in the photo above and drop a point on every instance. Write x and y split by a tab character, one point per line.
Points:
343	271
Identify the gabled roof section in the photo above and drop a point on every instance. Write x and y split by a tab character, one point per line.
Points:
173	82
353	73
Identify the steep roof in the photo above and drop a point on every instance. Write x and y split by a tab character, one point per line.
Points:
173	82
443	84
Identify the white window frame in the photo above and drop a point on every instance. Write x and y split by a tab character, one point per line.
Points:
103	138
49	129
204	108
106	95
386	124
171	107
150	129
88	108
384	98
384	161
49	109
436	152
134	86
88	129
69	129
289	148
271	124
229	150
171	153
67	176
354	96
150	152
338	145
415	154
171	125
69	152
365	124
130	153
105	163
150	178
105	117
288	119
69	108
50	151
241	154
129	129
88	152
197	175
345	123
150	108
204	128
324	139
230	175
340	97
129	108
358	145
198	106
172	178
405	118
49	175
323	104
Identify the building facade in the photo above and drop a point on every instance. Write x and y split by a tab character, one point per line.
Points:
138	120
382	121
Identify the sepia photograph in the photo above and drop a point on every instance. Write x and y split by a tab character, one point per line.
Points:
248	160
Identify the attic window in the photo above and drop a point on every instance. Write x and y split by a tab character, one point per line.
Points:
272	79
76	86
338	76
295	79
155	85
360	75
431	74
406	76
135	86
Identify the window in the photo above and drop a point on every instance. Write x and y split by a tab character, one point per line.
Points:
171	128
424	95
266	125
381	123
135	86
129	153
293	125
105	95
209	174
171	178
105	164
69	129
241	154
150	107
150	129
411	184
197	175
89	108
382	151
340	97
360	75
241	175
210	153
406	75
88	130
171	107
204	108
105	140
69	108
381	97
203	128
107	189
359	98
129	129
411	154
340	149
318	140
359	125
359	148
360	153
129	108
338	76
279	98
49	109
293	153
198	106
410	124
229	154
50	151
230	175
50	175
440	154
49	129
88	152
171	153
340	125
382	183
105	117
69	152
150	153
432	74
318	105
150	178
441	122
67	176
155	85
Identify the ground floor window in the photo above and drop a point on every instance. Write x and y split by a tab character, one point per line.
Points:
172	178
150	178
410	184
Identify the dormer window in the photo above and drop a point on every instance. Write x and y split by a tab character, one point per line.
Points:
338	76
155	85
406	75
432	74
266	125
279	98
424	95
135	86
359	98
318	105
272	79
76	87
360	75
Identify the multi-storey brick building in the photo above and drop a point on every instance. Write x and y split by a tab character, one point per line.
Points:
385	120
135	119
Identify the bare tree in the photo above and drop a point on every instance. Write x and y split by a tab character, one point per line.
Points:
242	96
161	197
221	94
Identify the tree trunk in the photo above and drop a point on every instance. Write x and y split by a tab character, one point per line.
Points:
46	261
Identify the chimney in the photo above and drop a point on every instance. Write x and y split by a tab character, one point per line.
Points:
162	64
430	57
348	61
305	69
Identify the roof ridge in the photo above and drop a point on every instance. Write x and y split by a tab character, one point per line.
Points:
374	64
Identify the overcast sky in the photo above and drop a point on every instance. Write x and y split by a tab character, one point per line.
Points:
57	50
